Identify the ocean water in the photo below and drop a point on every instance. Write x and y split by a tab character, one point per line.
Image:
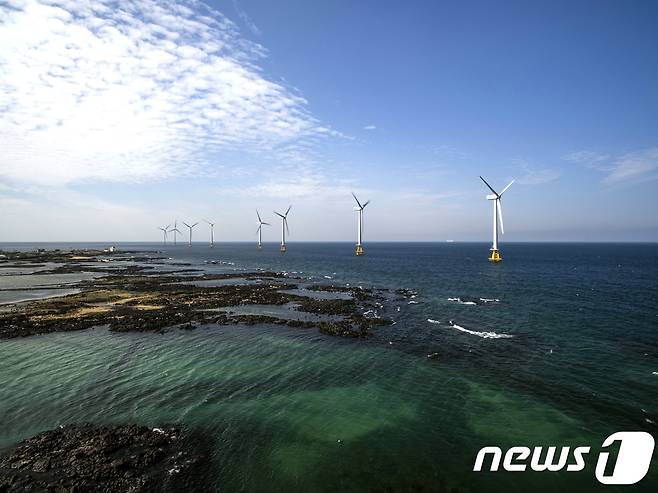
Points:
564	354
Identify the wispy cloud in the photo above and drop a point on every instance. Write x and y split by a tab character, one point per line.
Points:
588	158
631	166
634	165
246	19
370	127
135	90
527	174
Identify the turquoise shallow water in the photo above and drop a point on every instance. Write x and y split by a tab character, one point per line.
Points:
293	410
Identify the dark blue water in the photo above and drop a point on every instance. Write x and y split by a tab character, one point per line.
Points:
564	354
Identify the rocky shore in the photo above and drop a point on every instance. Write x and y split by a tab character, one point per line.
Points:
133	295
87	458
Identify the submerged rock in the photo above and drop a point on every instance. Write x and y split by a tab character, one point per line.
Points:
89	458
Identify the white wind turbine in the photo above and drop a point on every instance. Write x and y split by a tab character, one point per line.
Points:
497	215
261	223
175	230
284	227
190	242
359	231
164	233
212	233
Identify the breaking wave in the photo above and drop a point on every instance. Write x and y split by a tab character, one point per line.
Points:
463	302
484	334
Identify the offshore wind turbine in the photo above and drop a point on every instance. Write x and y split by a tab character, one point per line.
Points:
359	231
261	223
497	215
189	244
212	233
164	233
175	230
284	227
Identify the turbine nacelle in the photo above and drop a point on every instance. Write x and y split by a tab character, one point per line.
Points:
492	197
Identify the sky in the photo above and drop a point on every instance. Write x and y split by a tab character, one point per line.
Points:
118	117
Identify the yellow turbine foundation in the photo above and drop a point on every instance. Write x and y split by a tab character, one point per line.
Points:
495	256
359	250
282	249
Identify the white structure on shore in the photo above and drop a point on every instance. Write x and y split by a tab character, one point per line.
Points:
284	228
497	215
359	231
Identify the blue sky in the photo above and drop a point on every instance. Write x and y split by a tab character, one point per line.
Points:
122	116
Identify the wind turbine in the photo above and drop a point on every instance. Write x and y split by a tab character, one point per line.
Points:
190	242
261	223
212	233
359	231
284	227
164	233
176	231
497	215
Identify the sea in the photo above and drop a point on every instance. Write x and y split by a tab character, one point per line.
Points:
557	345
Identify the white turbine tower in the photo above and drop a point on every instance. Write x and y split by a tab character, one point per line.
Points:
359	231
284	227
164	233
189	244
212	233
497	215
261	223
176	231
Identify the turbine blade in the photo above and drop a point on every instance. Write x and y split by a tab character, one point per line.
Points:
357	200
289	207
278	214
195	224
500	215
259	219
186	224
285	221
504	189
267	224
364	205
489	186
259	228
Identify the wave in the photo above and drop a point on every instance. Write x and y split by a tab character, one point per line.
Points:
473	301
459	300
484	334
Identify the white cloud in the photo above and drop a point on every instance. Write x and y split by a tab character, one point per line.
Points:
370	127
246	19
135	90
526	174
588	158
631	166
